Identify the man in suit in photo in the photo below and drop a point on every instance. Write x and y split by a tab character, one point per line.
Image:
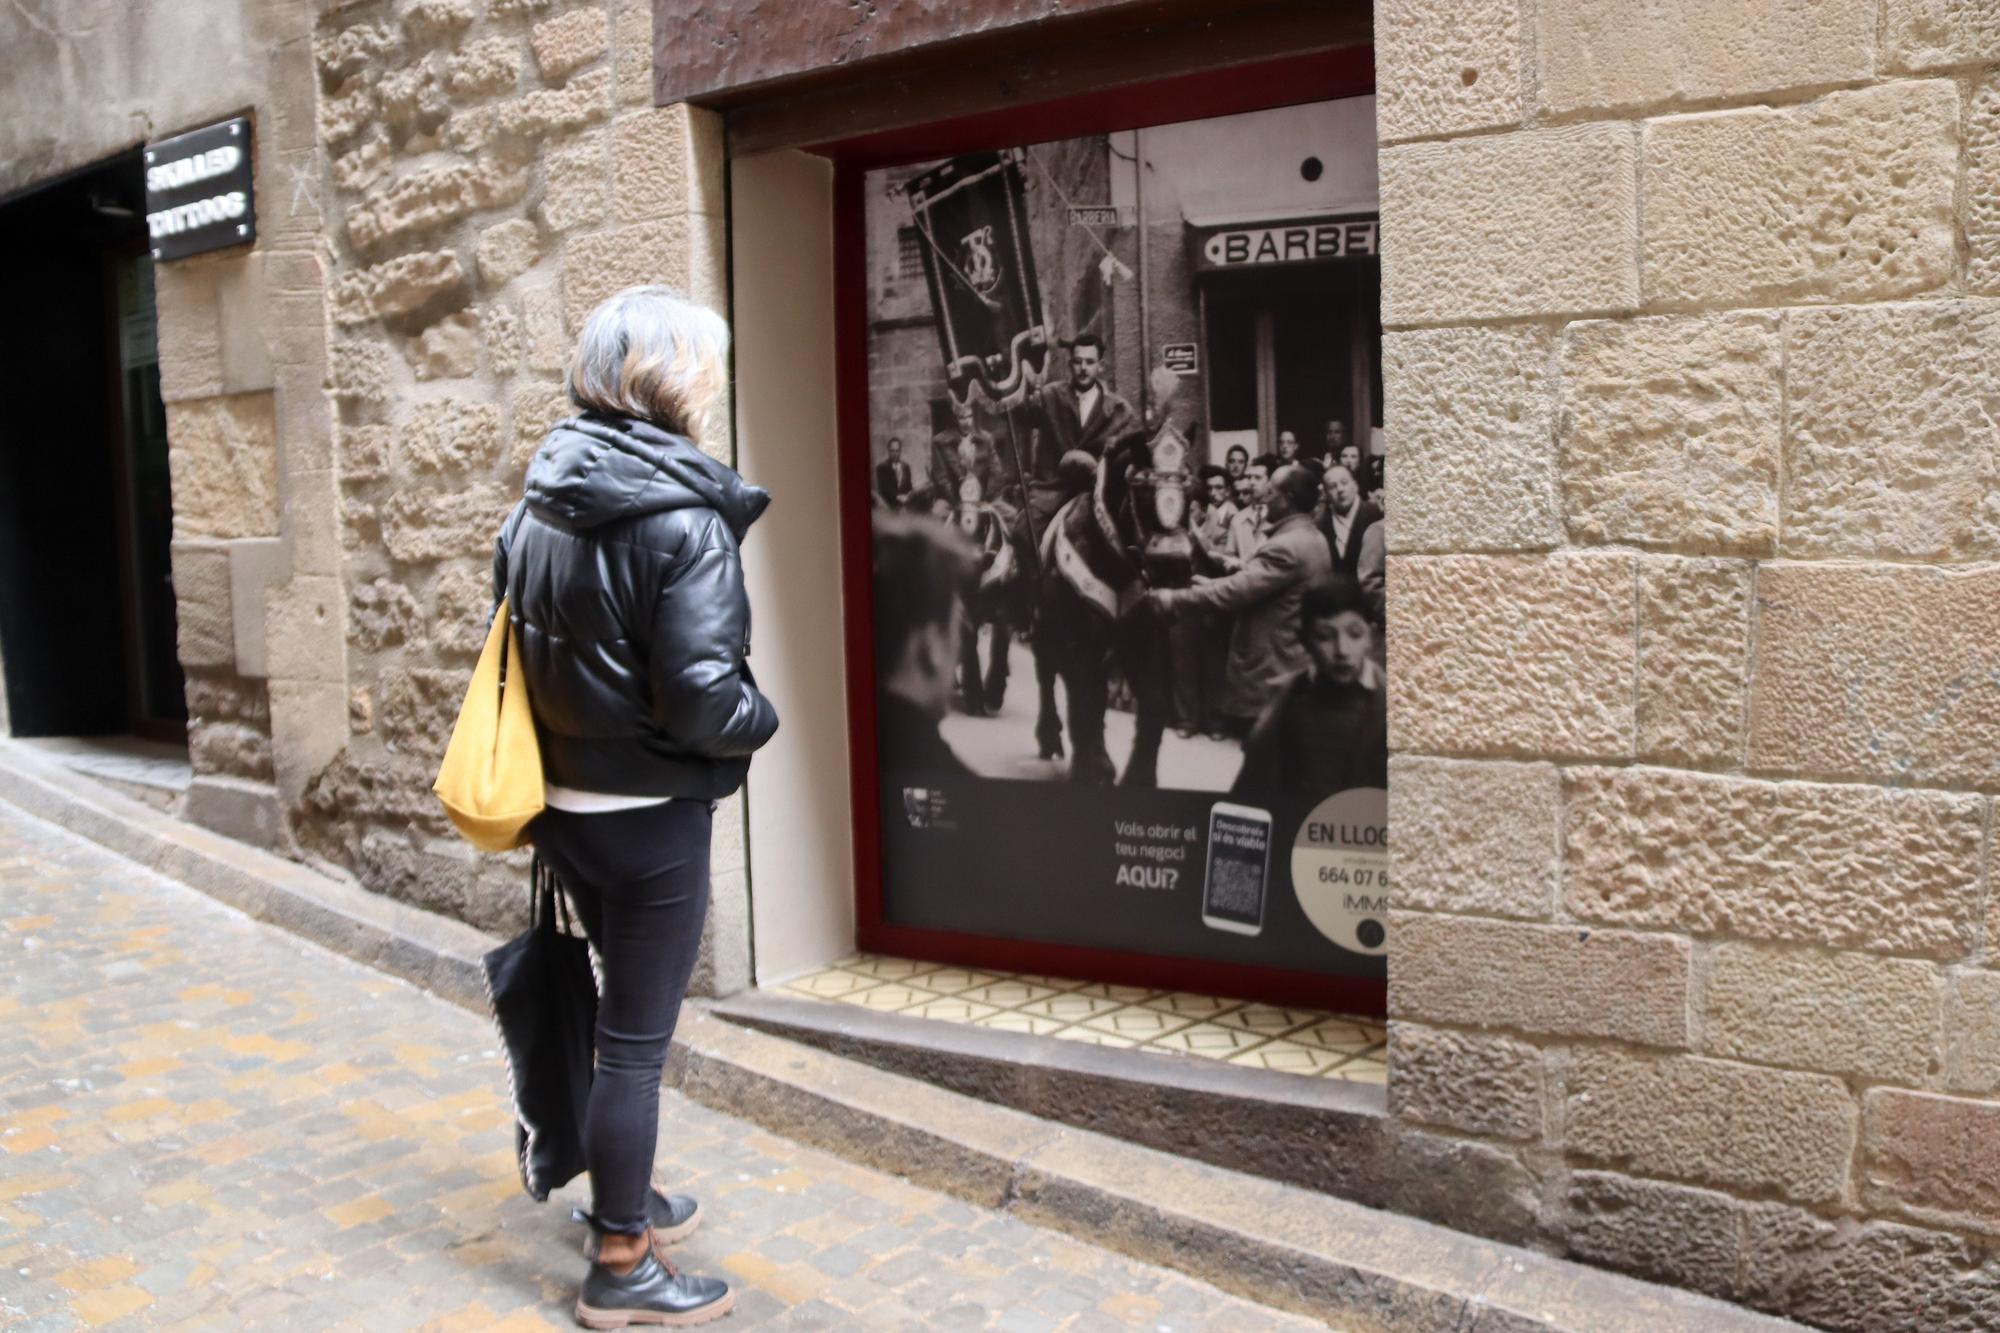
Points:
1264	597
892	476
1080	414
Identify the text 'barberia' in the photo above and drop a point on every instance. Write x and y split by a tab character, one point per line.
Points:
1318	241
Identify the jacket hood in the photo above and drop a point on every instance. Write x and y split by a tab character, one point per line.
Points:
594	470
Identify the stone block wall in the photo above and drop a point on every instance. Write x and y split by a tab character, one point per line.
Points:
241	373
1693	350
494	168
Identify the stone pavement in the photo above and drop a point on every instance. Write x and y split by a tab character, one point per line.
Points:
207	1123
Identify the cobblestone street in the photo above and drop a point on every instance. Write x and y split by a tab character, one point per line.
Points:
206	1123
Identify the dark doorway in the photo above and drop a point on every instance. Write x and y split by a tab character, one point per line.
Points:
1292	350
86	511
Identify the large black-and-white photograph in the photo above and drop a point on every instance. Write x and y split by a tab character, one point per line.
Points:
1136	377
1126	470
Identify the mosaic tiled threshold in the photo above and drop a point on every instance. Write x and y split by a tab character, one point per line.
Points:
1293	1041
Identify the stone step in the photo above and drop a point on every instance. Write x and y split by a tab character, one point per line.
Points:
1322	1134
1291	1248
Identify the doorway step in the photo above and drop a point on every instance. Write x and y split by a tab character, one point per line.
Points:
150	771
1280	1243
1290	1095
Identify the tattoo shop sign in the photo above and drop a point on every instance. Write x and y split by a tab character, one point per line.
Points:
198	191
1312	241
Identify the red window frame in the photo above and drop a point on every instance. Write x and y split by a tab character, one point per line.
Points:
1319	76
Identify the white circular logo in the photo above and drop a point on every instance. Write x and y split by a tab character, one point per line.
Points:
1340	869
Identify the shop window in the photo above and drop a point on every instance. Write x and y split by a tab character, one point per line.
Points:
1092	753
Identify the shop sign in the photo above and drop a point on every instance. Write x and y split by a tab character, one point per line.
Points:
1307	242
1179	358
1100	215
198	191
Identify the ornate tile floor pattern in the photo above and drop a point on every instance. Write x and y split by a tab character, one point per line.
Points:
1308	1042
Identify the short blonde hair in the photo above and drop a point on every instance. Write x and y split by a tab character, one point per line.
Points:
649	353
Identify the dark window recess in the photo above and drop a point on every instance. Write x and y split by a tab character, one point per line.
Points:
1232	364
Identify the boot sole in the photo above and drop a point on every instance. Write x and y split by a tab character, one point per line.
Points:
671	1235
592	1317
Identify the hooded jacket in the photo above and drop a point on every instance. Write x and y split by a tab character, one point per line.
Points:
621	569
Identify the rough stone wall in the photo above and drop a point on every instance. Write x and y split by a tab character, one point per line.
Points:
241	375
1694	634
496	168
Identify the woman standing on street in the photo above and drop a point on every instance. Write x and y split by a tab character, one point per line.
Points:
621	569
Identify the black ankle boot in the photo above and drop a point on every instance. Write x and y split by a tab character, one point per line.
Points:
652	1293
673	1217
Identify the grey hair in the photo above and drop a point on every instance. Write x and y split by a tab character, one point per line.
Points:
650	353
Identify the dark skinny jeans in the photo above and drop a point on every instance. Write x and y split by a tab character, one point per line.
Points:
639	881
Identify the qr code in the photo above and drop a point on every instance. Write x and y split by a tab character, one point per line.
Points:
1235	887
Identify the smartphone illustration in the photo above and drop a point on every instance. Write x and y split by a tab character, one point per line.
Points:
1239	863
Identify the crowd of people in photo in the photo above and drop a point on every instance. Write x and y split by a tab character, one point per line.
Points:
1275	646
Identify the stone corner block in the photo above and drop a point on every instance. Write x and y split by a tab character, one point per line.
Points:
1481	1188
238	808
1668	1233
306	634
1888	673
1468	233
207	635
1889	444
666	160
1475	836
1938	34
1602	55
1850	197
1936	1156
1694	645
243	317
1549	980
1843	1013
254	565
1471	416
1480	1084
222	454
1713	1122
1842	865
1500	655
309	729
1443	66
1671	431
602	263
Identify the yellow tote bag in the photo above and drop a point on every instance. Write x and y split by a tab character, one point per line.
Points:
491	777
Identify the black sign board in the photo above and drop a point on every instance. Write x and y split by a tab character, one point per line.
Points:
1307	241
1180	358
198	191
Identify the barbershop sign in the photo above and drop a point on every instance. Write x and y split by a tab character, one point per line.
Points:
1310	241
198	191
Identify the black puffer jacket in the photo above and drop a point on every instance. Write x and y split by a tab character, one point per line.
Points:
621	568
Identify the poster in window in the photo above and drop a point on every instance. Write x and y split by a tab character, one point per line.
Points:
1126	470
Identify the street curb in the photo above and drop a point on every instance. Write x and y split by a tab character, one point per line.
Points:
434	952
1276	1244
1279	1245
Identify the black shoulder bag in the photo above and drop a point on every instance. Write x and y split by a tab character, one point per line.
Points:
544	994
